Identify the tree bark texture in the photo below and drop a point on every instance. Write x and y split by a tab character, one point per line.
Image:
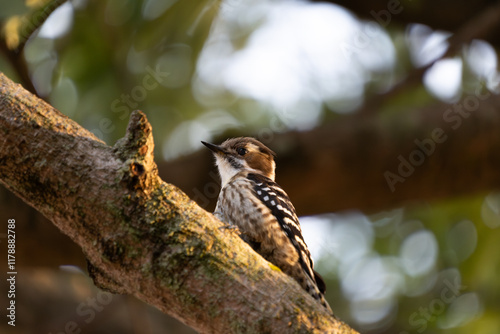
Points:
141	235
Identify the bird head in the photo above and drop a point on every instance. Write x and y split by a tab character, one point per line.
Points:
243	154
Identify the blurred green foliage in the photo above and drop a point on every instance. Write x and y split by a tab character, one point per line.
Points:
111	59
115	56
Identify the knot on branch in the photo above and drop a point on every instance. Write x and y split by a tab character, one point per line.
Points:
136	150
103	281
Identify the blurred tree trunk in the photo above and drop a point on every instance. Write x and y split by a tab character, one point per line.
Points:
373	163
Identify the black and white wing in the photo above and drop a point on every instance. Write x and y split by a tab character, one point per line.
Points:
277	201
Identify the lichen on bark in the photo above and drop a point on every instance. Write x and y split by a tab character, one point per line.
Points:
142	236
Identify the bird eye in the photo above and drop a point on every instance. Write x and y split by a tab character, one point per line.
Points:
241	151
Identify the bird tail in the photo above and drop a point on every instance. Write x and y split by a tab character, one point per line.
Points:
317	290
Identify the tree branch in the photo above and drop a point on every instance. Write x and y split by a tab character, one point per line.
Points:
15	34
141	235
481	25
439	14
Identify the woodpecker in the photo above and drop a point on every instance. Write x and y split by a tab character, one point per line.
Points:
252	201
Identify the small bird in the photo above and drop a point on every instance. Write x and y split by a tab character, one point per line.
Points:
252	201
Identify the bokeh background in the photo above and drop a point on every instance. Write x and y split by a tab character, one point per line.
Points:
407	242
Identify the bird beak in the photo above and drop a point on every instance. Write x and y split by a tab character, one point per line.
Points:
216	149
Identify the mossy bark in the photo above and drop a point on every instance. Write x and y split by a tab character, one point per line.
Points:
141	235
